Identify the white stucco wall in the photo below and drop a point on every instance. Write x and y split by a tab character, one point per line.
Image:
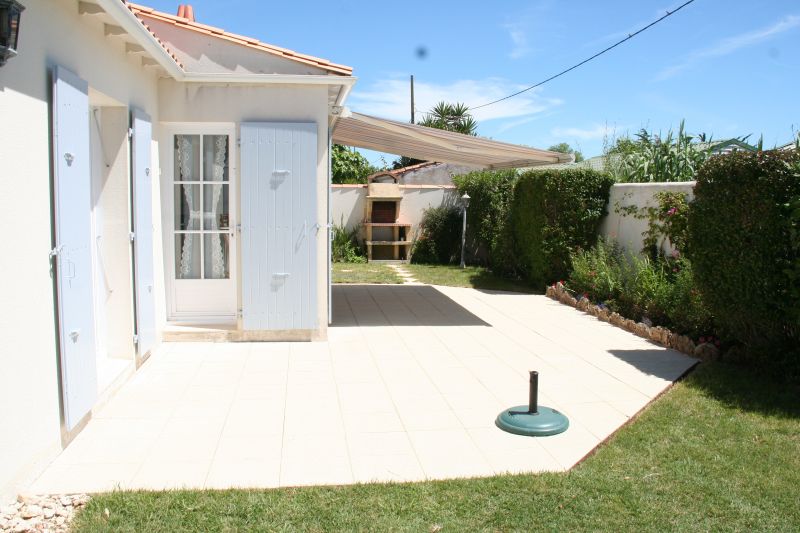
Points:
348	203
223	103
51	33
628	230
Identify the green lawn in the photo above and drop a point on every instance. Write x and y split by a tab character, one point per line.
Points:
720	451
471	276
364	273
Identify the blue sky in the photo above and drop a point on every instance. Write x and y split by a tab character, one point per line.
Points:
728	67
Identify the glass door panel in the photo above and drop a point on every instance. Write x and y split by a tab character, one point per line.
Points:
215	207
202	207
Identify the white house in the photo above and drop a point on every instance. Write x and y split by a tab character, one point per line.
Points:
161	179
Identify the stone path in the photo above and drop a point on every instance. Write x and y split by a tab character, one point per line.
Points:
407	277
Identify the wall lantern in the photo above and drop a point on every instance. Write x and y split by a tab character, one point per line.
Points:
10	13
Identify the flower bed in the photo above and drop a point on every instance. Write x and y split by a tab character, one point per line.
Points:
702	350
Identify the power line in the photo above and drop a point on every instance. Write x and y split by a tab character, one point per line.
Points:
598	54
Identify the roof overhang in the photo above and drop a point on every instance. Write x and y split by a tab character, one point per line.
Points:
430	144
136	29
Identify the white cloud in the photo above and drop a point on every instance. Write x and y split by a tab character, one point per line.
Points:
389	98
730	45
597	131
520	40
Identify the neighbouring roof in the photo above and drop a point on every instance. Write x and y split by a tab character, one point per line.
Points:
431	144
727	145
144	12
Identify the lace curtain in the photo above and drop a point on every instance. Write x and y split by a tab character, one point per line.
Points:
218	262
188	269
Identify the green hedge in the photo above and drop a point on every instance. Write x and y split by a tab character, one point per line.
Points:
439	239
527	225
488	239
554	213
742	247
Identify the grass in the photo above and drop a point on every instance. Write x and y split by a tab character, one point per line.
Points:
720	451
364	273
471	276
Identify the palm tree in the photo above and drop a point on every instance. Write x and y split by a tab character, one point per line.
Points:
451	117
443	116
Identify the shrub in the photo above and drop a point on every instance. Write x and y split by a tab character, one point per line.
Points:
741	247
344	245
660	290
553	213
439	239
669	221
487	217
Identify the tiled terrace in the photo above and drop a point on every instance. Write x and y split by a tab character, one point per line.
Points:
406	388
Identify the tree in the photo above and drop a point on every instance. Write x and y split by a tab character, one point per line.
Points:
451	117
444	116
565	148
349	166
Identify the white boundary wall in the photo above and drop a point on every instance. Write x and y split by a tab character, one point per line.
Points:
627	230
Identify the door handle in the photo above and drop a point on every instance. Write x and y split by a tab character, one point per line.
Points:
74	334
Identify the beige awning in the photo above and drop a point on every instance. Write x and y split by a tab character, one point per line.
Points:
430	144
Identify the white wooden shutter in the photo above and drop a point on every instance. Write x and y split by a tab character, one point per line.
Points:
142	176
279	225
73	256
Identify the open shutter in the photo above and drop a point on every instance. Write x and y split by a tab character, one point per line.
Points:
73	256
142	176
279	225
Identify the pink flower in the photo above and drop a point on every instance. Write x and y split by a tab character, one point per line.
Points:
672	211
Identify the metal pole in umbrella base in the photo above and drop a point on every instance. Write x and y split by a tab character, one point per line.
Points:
532	420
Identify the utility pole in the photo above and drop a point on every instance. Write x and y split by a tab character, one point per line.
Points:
412	99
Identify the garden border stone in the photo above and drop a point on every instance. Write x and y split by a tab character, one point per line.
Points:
658	334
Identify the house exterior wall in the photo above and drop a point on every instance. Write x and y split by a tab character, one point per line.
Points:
628	230
222	103
52	33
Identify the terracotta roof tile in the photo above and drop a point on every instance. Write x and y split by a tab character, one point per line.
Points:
163	45
144	11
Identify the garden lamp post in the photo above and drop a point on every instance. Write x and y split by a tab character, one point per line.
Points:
464	205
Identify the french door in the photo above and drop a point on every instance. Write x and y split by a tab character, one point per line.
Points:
203	228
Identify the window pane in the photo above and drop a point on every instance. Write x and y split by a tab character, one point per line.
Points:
187	256
215	157
216	255
187	207
215	208
187	158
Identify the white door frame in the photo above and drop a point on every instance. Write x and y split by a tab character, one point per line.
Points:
167	132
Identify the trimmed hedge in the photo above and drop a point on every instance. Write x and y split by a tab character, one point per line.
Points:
527	225
740	241
439	241
554	213
488	239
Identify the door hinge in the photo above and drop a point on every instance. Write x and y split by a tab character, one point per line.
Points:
132	236
238	228
130	133
55	251
239	141
239	313
136	339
